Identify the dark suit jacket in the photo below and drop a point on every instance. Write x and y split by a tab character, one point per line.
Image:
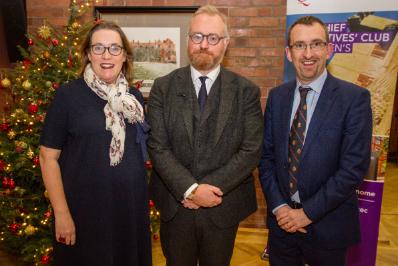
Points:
233	154
333	163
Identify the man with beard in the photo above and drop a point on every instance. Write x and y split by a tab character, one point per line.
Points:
205	140
316	152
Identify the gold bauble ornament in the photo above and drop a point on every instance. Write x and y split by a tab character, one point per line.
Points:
27	85
30	230
30	153
46	54
46	194
5	82
44	32
75	25
11	134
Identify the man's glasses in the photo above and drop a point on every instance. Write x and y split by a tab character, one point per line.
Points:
100	49
212	38
316	45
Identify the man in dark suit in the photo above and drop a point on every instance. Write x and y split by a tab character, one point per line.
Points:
316	151
205	140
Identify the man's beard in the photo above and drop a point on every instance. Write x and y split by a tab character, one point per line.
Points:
204	60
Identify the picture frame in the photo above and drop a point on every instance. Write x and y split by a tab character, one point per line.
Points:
158	36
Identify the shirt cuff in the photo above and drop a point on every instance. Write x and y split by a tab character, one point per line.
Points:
190	189
277	208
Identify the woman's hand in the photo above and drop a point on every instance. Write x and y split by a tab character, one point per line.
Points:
65	228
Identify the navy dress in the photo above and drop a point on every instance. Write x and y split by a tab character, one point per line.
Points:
109	204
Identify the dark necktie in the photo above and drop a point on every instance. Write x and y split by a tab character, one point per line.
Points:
296	139
202	97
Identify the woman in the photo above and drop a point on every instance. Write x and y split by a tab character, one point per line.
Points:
92	159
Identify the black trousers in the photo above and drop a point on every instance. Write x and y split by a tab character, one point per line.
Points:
191	237
297	250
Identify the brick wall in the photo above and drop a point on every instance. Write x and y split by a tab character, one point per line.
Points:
256	49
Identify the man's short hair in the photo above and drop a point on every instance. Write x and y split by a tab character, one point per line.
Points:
308	20
211	11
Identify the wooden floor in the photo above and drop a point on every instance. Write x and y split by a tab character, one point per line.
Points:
251	242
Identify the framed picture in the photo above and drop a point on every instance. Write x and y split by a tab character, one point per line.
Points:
157	35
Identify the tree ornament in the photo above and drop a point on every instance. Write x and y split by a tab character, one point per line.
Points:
18	149
39	118
75	25
155	237
45	259
30	42
4	182
46	54
33	108
148	164
55	85
5	82
4	127
11	183
2	165
55	42
70	61
151	204
30	230
26	84
48	84
30	153
46	194
36	160
26	63
14	227
47	214
11	134
44	32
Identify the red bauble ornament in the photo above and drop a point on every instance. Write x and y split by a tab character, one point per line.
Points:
4	127
151	204
36	160
2	165
148	164
55	85
18	149
45	259
55	42
155	237
33	108
4	182
39	118
11	183
47	214
26	63
30	42
14	227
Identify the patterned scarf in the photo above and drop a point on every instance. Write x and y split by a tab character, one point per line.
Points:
121	105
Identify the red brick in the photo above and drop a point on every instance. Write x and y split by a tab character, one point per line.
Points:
241	52
264	22
271	52
229	2
265	11
238	42
279	11
261	42
266	2
243	12
238	22
242	32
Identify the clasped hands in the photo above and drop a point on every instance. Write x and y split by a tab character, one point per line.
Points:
292	220
205	196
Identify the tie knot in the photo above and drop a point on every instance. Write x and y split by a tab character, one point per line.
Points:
303	91
203	79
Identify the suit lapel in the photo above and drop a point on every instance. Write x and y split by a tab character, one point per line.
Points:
186	91
325	102
227	94
287	105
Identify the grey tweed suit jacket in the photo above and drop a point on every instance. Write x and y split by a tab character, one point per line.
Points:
233	153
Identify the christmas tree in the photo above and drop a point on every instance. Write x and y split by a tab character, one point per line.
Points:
50	60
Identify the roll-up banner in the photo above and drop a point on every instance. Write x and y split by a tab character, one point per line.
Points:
364	34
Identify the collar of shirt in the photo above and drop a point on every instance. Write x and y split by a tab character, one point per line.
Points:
211	77
315	85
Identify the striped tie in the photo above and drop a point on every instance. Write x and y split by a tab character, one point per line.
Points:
296	139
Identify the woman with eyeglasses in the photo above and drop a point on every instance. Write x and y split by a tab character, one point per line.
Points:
92	158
